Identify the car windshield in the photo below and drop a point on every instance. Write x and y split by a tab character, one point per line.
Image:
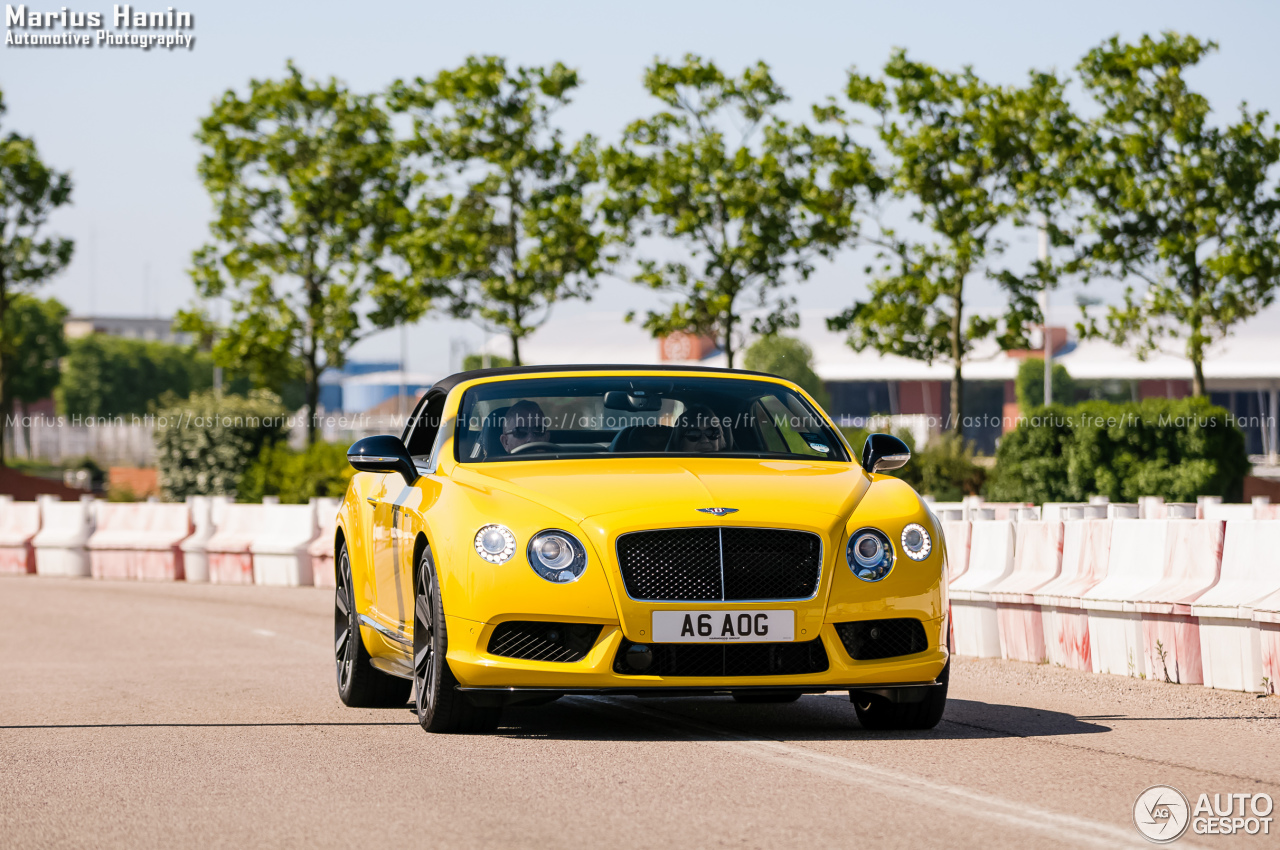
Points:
542	418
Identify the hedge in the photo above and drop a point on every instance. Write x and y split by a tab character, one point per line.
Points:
297	476
204	443
1178	449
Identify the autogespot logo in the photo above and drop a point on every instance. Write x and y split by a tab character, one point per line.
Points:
1161	814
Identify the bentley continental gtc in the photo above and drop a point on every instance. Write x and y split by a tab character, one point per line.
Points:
538	532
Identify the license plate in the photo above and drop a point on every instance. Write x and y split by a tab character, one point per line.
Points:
716	626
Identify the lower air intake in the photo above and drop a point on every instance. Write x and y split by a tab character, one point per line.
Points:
728	659
868	640
536	641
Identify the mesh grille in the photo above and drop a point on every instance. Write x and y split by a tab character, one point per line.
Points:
871	639
533	641
731	659
684	564
681	563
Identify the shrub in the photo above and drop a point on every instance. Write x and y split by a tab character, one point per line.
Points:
1029	384
204	444
788	358
297	476
1178	449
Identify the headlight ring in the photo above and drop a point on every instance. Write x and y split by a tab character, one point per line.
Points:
557	556
916	542
495	543
869	554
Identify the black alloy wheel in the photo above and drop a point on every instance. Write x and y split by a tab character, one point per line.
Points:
441	706
360	684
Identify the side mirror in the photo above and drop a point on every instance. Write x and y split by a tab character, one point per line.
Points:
883	452
382	453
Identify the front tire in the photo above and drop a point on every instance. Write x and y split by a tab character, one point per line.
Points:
360	684
441	707
879	714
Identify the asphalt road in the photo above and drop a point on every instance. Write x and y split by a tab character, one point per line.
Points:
154	715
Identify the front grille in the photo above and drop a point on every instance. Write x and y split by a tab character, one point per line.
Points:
720	564
870	639
534	641
728	659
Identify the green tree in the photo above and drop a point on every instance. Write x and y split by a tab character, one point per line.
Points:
504	225
787	357
32	339
113	376
476	361
967	158
1187	207
305	181
29	192
752	199
1029	384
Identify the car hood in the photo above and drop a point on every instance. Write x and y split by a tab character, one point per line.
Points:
761	490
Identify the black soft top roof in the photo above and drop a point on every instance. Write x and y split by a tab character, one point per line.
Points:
446	384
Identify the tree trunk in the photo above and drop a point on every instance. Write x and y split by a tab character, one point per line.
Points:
515	351
728	340
1197	378
5	401
957	358
313	398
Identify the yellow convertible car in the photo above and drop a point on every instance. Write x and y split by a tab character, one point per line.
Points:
537	532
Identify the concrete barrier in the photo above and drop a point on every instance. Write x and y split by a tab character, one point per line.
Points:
1037	561
139	540
321	549
1220	511
64	530
1151	507
991	550
19	523
195	554
228	549
1230	637
1170	635
280	555
1135	563
1086	551
1266	614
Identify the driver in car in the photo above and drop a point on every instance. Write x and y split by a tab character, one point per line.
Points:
524	423
700	430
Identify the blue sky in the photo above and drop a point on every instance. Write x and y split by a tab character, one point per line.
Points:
122	120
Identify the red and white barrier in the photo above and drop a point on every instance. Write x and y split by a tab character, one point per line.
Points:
1266	614
1136	563
64	530
1086	550
228	549
321	549
958	535
1170	635
139	540
195	549
1230	637
19	523
280	555
1037	561
991	549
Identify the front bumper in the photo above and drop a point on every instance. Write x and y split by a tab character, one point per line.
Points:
478	670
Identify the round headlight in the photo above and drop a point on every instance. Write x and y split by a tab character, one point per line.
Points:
870	555
495	543
557	556
916	542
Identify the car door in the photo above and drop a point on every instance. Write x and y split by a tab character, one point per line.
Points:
393	567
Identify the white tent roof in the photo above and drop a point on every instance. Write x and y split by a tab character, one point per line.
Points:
1251	354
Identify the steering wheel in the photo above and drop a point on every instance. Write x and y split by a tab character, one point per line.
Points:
535	447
